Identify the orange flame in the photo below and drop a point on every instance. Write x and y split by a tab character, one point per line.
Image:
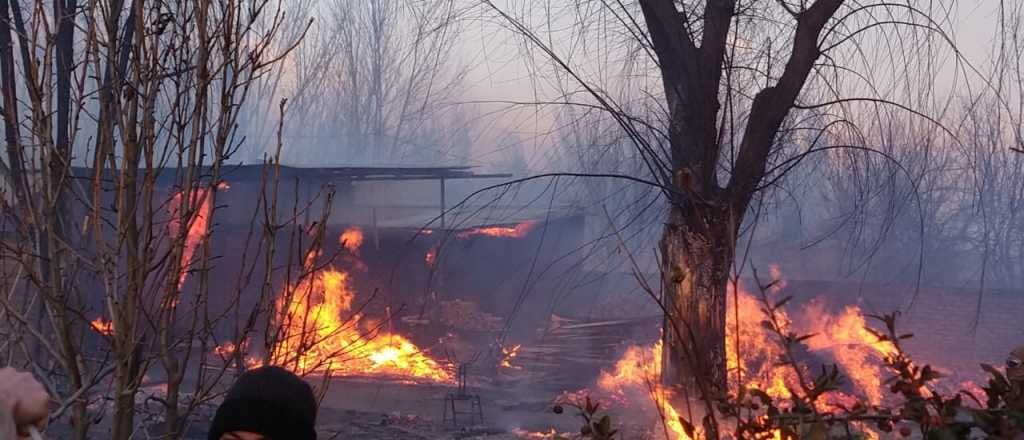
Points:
226	350
202	202
352	240
858	353
508	355
638	367
856	350
319	332
522	433
517	231
431	257
669	415
637	374
102	326
776	273
638	370
755	357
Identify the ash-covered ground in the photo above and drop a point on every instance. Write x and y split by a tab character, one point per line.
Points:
380	409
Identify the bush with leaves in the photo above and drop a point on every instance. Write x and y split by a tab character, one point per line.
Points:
595	425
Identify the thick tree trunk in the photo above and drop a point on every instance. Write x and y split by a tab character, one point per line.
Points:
697	254
698	244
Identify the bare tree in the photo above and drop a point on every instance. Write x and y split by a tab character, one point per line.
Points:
748	90
139	93
374	82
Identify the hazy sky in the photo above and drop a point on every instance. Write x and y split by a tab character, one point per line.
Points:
500	72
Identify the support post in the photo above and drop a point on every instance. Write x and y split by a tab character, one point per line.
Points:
443	207
308	195
376	231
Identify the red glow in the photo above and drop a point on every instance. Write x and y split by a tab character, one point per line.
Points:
518	231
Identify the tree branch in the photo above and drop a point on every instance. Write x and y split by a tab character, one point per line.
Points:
772	104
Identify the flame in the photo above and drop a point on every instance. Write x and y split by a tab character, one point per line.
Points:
638	367
226	350
775	271
352	240
431	257
518	231
752	353
672	420
102	326
319	332
638	373
200	199
858	352
522	433
508	355
754	359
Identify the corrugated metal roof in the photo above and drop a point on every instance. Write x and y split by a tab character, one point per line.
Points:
254	173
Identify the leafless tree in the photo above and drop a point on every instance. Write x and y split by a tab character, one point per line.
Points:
375	82
747	91
102	102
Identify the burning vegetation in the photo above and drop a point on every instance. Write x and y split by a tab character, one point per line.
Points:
758	364
352	240
321	329
519	230
782	125
102	326
197	210
508	356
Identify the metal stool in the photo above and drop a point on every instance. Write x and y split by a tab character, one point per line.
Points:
452	411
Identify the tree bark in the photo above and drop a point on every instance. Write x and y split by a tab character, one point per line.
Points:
699	240
697	247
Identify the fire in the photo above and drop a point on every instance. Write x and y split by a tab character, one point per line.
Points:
431	257
226	350
638	367
858	352
522	433
776	273
637	373
508	355
754	359
752	354
671	418
319	332
102	326
518	231
202	202
352	240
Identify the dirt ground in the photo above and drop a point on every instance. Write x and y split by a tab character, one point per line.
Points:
361	409
391	410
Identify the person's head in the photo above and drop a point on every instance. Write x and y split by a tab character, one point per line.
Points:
1015	365
268	403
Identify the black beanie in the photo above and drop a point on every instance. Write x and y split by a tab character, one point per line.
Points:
270	401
